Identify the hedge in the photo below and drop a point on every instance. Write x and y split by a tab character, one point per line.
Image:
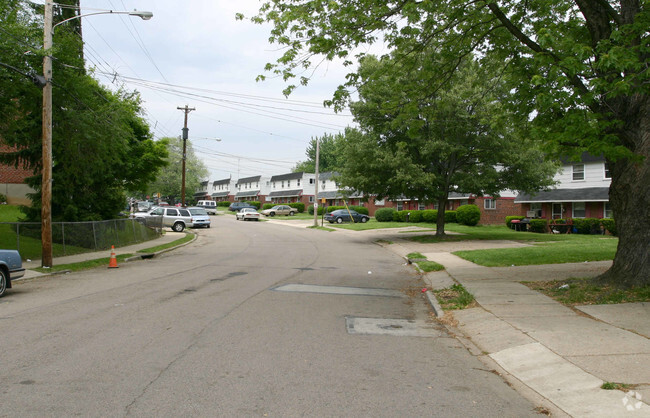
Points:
609	225
538	225
223	204
468	215
298	205
384	214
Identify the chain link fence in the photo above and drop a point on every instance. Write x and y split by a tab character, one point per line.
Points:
70	238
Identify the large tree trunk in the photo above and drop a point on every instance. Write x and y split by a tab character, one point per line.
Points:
629	195
440	220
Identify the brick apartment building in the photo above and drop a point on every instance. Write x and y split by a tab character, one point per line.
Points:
12	181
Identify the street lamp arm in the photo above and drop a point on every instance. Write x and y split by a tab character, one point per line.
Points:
144	15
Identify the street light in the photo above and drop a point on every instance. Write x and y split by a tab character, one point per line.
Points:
46	186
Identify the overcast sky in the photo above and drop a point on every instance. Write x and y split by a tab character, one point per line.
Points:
195	53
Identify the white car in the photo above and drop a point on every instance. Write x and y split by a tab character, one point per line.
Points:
248	214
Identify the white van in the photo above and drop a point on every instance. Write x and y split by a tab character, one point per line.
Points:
210	206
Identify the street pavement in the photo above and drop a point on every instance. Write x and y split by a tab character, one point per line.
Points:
561	354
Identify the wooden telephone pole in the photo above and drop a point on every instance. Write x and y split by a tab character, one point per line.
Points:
187	110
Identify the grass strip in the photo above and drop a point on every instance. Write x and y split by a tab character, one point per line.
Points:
188	237
454	297
429	266
588	291
84	265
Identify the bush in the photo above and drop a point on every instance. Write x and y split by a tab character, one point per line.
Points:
385	214
267	206
468	215
450	216
510	218
3	198
430	216
360	209
254	203
609	225
586	225
300	206
310	210
223	204
538	225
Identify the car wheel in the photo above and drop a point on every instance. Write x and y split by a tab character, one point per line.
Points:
3	282
339	220
272	214
208	226
291	213
364	220
178	227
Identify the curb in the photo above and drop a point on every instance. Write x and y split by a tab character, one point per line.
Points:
437	309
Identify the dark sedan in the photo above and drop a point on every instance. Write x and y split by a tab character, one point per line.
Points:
343	215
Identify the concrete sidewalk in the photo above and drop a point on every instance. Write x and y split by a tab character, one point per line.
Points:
168	237
562	354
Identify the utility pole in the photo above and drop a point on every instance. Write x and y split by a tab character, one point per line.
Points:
187	110
46	170
316	192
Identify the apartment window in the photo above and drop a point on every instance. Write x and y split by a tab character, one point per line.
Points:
381	202
490	204
323	185
312	181
288	183
579	209
608	210
436	206
298	182
274	185
283	184
422	206
578	172
311	199
400	206
608	175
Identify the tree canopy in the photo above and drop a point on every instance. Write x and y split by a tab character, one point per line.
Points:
102	146
417	142
581	68
328	155
168	182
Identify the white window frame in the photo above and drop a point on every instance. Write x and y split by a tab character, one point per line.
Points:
400	206
607	175
578	172
607	207
573	209
489	204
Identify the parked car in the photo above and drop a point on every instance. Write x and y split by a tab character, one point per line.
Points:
210	206
11	267
280	210
237	206
139	216
199	217
248	214
343	215
175	218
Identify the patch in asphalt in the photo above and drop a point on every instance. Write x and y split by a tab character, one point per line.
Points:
339	290
395	327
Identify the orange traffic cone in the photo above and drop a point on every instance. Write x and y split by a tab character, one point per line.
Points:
113	263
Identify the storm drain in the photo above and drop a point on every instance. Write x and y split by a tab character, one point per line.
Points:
396	327
339	290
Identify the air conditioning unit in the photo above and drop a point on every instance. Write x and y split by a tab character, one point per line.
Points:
531	214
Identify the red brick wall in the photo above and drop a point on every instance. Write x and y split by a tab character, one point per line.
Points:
11	175
505	206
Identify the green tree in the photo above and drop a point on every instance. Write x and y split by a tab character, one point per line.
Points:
581	67
423	144
101	145
169	181
328	155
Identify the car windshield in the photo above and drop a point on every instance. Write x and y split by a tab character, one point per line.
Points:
198	211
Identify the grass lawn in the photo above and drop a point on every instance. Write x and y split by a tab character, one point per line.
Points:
572	292
10	213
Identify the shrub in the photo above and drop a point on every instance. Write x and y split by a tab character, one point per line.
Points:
415	216
450	216
510	218
223	204
609	225
468	215
300	206
310	210
400	215
254	203
586	225
430	216
3	198
267	206
538	225
360	209
385	214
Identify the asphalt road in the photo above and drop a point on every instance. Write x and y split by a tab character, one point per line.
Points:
209	330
